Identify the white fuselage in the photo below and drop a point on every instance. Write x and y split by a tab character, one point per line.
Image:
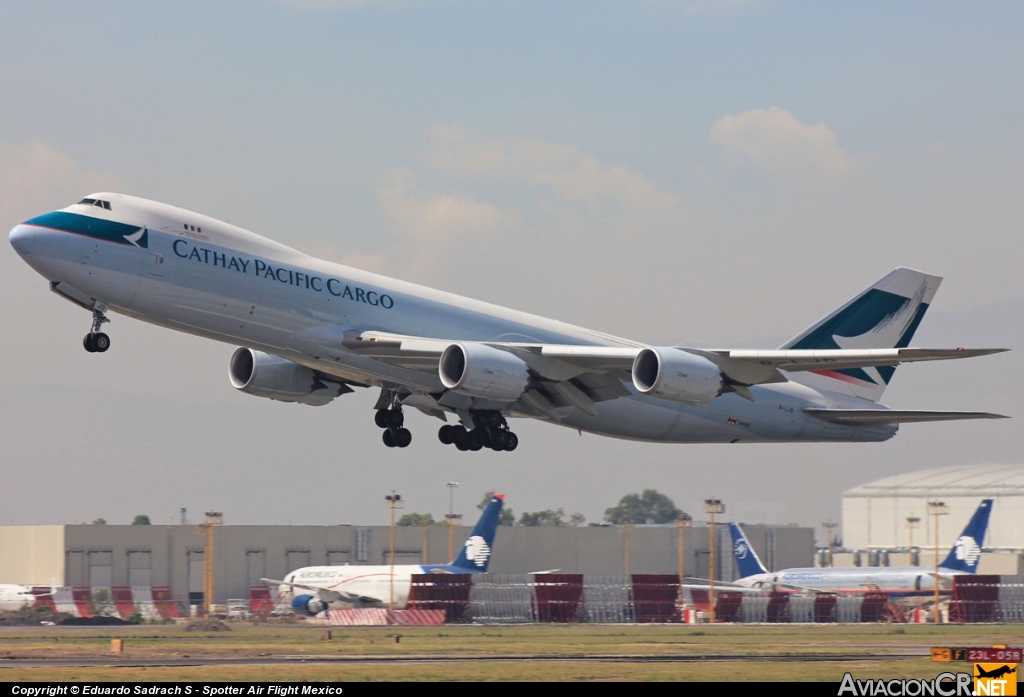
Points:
909	580
376	583
231	285
15	597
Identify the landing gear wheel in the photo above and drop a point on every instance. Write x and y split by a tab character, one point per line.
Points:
459	434
403	437
476	446
462	445
381	418
100	342
513	442
396	419
492	419
499	439
389	439
87	343
444	434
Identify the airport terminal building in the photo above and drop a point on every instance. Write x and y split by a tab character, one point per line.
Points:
102	556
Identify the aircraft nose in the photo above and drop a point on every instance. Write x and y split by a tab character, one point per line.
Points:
23	238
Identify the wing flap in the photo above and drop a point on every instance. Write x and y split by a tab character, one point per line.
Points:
894	416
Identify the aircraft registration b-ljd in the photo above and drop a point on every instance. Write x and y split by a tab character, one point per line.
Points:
311	330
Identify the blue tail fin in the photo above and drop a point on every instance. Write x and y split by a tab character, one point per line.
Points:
886	315
967	549
747	562
475	555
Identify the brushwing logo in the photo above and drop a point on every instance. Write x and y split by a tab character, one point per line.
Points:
967	550
477	550
139	238
740	549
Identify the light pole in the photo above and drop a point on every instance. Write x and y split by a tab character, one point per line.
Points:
682	522
451	518
625	549
712	507
394	501
937	508
830	528
206	529
912	523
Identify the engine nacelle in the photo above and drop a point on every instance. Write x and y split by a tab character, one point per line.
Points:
308	605
273	377
677	376
478	370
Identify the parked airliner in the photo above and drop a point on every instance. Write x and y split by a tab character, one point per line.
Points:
15	597
909	580
311	330
314	589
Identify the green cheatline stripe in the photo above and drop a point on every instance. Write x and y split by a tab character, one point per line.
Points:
84	225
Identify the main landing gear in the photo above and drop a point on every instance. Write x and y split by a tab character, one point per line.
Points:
391	420
96	341
489	431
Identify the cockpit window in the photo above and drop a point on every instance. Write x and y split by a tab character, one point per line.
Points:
94	202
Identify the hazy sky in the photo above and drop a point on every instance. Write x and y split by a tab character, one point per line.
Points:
723	172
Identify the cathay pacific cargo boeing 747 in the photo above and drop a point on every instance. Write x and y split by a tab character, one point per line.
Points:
311	330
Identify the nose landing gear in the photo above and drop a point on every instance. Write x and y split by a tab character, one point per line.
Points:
96	341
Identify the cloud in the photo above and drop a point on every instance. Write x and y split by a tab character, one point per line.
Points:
774	140
429	226
35	178
608	190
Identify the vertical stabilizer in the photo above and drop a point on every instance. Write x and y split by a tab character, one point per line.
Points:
967	550
886	315
747	563
475	554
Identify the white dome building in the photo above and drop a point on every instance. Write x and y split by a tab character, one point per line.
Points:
875	514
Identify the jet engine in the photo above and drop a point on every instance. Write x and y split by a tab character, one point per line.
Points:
677	376
308	605
478	370
264	375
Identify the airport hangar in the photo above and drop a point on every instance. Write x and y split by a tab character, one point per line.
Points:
103	556
875	530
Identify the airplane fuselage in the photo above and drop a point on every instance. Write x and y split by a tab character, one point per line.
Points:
909	580
194	274
15	597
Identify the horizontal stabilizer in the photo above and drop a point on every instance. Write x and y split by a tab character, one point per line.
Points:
894	416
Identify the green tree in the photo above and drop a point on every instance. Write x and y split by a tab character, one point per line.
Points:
416	519
647	507
506	517
100	521
141	520
548	518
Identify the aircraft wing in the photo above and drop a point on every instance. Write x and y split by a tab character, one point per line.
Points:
562	362
894	416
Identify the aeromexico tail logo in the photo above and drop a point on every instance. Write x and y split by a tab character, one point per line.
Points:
740	549
967	550
477	550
